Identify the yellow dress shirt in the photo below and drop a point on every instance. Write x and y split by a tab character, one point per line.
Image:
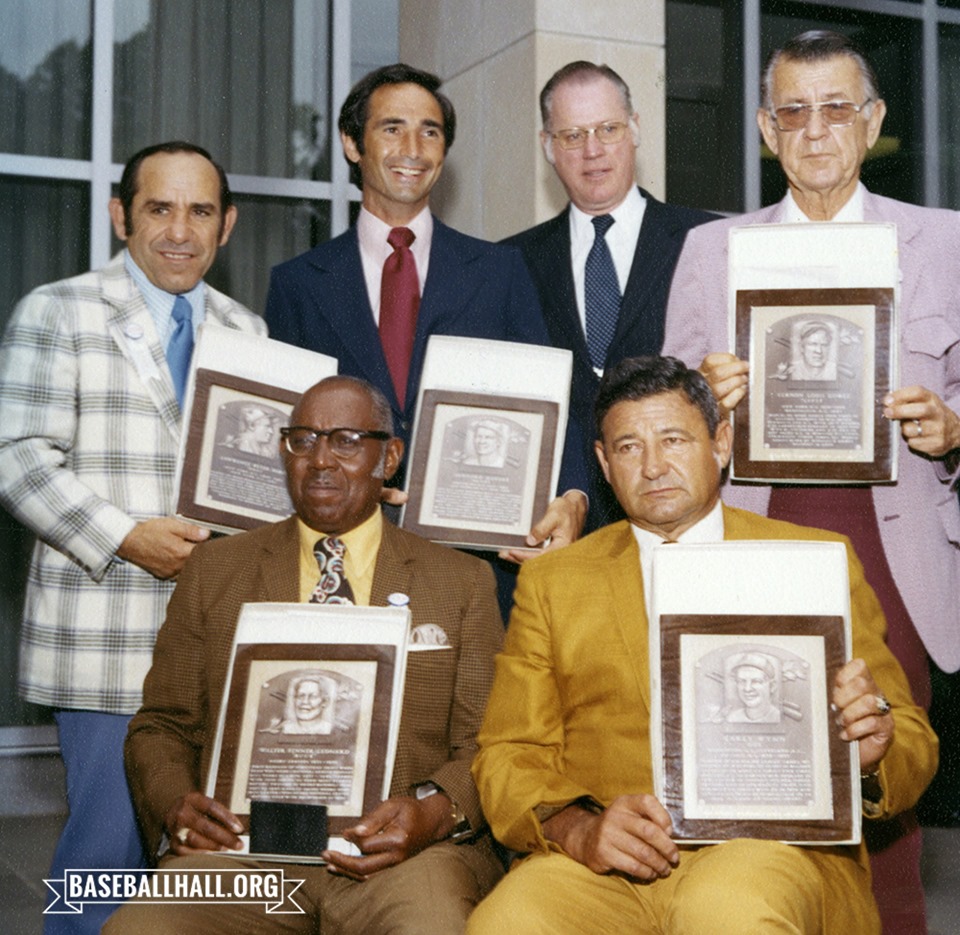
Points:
359	560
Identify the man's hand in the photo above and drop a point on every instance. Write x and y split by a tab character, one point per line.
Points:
855	697
395	830
632	836
393	496
196	824
727	376
561	524
162	545
927	423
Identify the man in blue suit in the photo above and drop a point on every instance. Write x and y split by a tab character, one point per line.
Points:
373	296
590	137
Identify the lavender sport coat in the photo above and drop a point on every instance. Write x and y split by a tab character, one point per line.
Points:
918	517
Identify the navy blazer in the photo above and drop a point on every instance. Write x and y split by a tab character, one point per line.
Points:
546	249
474	289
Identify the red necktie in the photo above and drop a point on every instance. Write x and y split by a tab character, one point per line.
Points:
399	302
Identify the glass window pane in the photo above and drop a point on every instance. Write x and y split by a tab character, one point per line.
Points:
374	31
950	117
268	231
894	167
45	78
704	105
247	79
44	236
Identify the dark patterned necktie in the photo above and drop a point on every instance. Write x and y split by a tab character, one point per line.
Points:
180	346
399	304
333	587
601	293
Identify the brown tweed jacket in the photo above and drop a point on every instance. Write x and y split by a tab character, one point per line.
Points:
170	739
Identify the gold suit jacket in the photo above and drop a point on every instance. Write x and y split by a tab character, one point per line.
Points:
569	711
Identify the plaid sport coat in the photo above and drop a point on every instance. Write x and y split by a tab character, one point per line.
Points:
89	431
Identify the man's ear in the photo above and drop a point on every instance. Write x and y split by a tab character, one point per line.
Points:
634	124
350	149
229	219
875	123
392	457
546	142
115	207
723	443
602	458
768	130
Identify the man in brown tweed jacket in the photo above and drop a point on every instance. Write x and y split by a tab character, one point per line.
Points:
410	875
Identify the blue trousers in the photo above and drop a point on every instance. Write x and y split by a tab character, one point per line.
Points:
101	829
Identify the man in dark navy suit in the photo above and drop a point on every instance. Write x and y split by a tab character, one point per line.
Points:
373	296
590	136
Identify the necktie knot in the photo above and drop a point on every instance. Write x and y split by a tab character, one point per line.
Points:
181	310
602	223
333	587
401	237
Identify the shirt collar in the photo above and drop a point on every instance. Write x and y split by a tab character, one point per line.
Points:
850	213
628	216
372	232
362	542
160	302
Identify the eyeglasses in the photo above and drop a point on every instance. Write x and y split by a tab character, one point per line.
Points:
834	113
607	134
302	441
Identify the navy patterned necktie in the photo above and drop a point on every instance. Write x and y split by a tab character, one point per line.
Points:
333	587
180	347
601	293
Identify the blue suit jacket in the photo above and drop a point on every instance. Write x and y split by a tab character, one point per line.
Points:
546	249
474	289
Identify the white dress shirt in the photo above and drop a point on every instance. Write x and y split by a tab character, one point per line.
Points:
374	250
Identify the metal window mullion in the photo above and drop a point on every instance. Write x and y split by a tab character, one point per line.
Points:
751	101
930	57
341	57
102	172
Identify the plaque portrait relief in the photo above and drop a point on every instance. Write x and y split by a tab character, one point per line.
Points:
755	752
305	734
250	427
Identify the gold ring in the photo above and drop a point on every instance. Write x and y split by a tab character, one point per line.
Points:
883	706
183	834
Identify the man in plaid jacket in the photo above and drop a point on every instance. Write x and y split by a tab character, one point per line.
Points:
89	432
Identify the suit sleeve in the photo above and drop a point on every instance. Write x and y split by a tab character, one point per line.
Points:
696	319
165	739
284	322
912	759
519	768
39	415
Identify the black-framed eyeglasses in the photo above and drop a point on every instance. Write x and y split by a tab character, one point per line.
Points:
834	113
608	134
302	441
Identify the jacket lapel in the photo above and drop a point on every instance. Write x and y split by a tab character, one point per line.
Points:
394	568
346	307
624	582
132	329
279	564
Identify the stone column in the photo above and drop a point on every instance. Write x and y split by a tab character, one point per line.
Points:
494	57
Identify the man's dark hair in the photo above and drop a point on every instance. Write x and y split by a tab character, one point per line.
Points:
130	180
636	378
817	45
356	108
580	72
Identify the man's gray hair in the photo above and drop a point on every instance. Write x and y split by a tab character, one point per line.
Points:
581	72
817	45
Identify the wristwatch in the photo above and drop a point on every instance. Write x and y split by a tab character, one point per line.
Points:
461	824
